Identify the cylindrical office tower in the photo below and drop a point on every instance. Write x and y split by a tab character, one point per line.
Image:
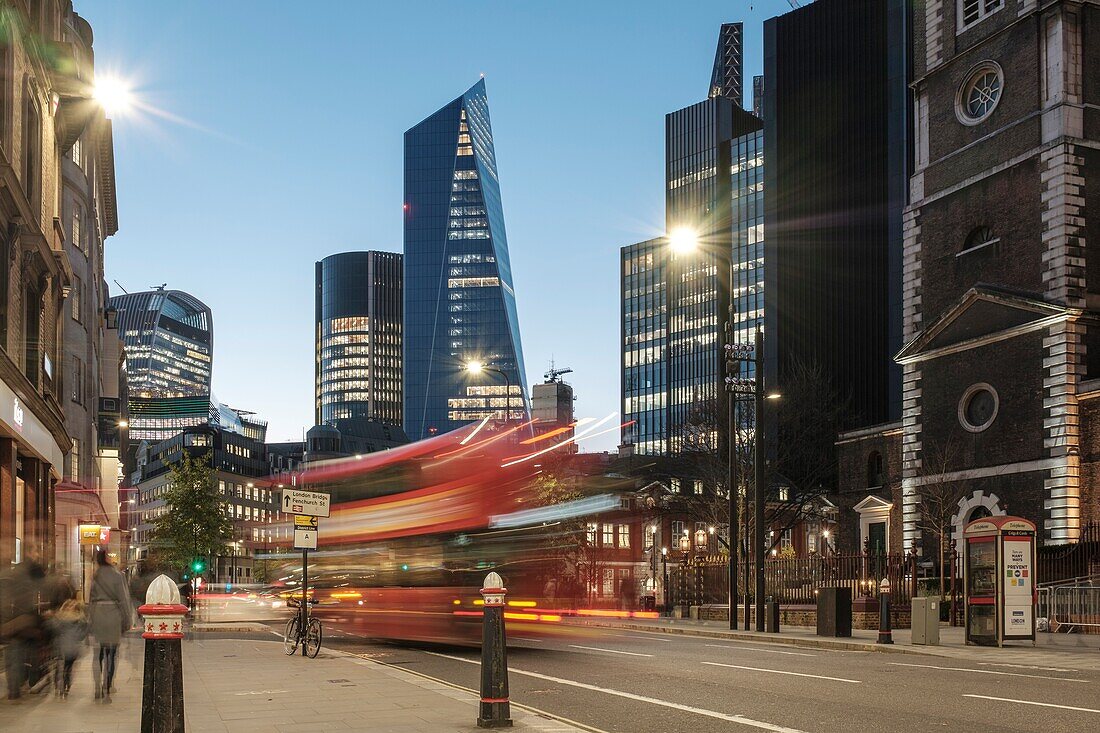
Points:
358	341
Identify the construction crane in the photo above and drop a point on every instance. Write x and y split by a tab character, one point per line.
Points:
554	374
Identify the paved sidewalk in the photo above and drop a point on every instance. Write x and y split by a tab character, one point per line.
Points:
1073	651
238	686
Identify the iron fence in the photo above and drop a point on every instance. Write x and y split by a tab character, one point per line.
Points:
705	580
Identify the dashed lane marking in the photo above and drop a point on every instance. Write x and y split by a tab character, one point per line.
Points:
792	674
758	649
609	651
732	718
987	671
1032	702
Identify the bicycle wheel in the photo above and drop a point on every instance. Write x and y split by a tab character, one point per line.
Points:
291	637
312	641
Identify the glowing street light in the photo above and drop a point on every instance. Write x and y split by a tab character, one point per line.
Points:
474	367
114	95
683	240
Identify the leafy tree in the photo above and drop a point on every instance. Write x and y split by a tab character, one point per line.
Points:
197	523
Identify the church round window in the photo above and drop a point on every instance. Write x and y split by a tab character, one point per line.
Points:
978	407
980	93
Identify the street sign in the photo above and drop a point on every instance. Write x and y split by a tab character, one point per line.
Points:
302	521
313	503
305	539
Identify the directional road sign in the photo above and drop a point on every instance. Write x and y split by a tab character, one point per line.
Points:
313	503
302	521
305	539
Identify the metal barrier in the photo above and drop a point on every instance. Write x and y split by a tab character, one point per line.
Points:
1072	608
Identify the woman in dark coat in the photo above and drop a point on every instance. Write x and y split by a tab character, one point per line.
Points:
109	616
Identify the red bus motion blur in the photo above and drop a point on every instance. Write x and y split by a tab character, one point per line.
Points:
414	530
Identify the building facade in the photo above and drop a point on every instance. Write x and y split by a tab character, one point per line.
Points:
552	410
459	301
240	463
676	290
169	338
1001	293
833	230
45	108
358	337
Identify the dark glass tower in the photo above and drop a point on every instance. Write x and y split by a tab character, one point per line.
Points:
358	338
460	305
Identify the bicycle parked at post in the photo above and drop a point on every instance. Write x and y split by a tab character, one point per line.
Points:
302	629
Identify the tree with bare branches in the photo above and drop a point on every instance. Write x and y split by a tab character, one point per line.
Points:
939	498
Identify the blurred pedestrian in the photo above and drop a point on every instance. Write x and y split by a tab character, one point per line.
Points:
69	628
109	616
21	624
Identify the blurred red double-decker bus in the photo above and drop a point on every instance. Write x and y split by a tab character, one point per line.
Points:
413	531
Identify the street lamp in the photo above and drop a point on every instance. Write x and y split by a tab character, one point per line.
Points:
476	367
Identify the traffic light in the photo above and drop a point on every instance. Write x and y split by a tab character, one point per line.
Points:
198	565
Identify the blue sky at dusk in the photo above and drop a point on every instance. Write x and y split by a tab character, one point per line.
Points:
273	138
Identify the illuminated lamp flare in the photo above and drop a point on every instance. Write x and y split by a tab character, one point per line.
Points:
683	240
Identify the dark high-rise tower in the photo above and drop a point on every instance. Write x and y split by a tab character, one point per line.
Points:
358	337
460	304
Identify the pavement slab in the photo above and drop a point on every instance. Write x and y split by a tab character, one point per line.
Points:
249	686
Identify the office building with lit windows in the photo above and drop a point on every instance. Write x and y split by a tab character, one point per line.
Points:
358	337
644	325
460	305
676	289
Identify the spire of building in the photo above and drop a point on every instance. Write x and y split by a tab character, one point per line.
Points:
727	78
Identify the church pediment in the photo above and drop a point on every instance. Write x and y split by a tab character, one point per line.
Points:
983	315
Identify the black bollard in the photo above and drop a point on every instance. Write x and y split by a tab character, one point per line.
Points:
884	634
494	710
162	687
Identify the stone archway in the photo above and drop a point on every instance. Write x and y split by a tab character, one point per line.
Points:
978	504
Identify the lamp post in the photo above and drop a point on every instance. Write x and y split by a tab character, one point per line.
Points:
477	367
664	575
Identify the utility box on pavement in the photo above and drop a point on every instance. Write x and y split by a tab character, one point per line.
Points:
834	612
926	621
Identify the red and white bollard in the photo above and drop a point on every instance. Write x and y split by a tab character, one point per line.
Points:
494	710
162	687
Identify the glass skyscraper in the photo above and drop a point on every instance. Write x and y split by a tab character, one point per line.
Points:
460	304
644	325
169	341
358	335
675	303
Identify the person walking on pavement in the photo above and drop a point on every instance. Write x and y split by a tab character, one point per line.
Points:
21	623
69	628
110	616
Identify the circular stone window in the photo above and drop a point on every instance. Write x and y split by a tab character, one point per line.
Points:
980	93
978	407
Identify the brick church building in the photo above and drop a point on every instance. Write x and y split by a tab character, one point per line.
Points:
1001	281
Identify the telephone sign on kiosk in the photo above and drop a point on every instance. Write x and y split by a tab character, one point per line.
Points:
312	503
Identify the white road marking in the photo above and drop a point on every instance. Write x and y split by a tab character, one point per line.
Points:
732	718
987	671
527	638
757	649
642	638
1024	666
1030	702
778	671
610	651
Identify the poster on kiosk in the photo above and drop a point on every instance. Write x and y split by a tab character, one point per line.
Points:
1000	593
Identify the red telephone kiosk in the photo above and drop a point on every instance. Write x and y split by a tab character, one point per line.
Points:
999	580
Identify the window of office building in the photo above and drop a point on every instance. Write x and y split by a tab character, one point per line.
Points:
624	535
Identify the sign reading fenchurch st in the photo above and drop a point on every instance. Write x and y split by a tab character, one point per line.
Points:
313	503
